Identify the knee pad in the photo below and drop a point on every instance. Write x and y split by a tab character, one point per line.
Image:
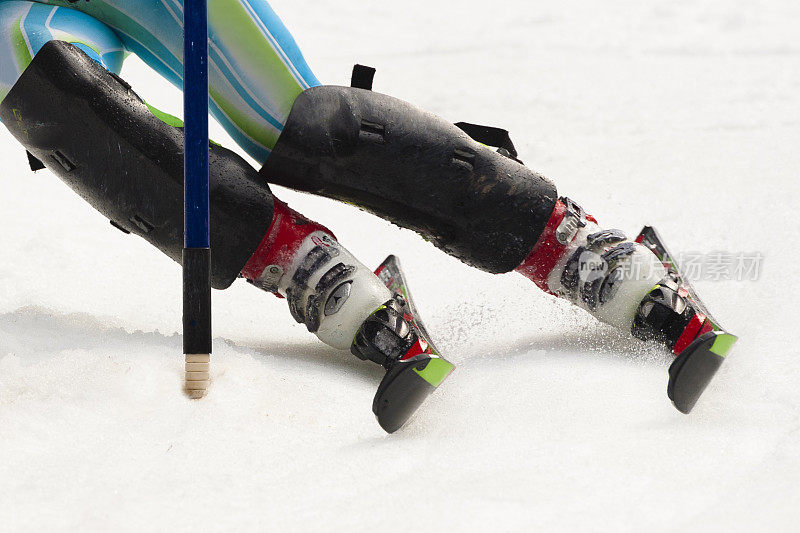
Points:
416	170
88	127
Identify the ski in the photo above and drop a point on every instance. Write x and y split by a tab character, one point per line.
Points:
702	346
410	381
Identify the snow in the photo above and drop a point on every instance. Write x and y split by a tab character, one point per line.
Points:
684	115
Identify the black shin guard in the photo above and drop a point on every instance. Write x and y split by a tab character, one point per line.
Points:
416	170
88	127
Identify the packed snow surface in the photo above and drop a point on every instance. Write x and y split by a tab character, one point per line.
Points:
681	114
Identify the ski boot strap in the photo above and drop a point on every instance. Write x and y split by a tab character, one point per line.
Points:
565	221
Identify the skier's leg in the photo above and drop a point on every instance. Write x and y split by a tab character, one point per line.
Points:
478	204
90	128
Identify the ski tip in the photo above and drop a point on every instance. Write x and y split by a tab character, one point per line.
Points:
693	369
390	260
405	387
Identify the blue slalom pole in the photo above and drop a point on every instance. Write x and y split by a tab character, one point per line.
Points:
197	245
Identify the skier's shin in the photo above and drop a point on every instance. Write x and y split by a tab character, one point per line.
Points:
89	127
414	169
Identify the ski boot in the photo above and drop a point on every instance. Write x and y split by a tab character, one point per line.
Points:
632	285
463	188
349	307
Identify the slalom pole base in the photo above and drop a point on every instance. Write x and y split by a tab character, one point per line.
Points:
197	375
196	320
